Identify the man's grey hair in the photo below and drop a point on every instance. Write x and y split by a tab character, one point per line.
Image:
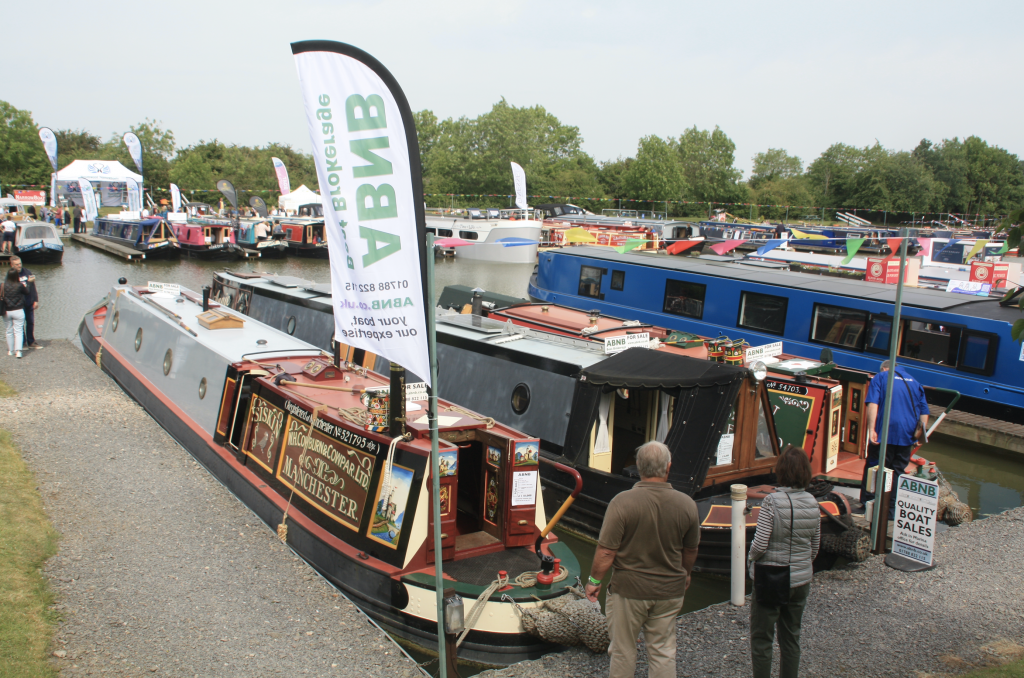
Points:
885	365
652	459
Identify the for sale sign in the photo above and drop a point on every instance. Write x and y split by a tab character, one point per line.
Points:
917	502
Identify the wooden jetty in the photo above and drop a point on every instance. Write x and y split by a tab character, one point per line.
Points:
99	243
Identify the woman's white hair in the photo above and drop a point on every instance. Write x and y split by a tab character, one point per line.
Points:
652	459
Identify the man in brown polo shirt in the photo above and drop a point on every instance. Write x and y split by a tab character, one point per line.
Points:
649	541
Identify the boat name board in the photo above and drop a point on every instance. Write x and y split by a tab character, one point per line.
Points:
773	385
917	504
339	433
624	341
333	477
761	352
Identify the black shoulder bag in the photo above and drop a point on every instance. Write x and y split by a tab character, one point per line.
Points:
3	302
771	582
919	433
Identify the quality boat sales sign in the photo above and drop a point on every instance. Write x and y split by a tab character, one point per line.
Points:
368	165
917	502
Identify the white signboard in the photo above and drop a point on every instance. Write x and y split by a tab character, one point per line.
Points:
968	287
164	288
524	488
724	455
414	391
755	353
364	148
624	341
917	502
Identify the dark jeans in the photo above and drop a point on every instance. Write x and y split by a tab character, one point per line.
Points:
896	457
30	325
765	620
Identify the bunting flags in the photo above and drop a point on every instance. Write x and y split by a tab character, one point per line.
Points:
1005	248
978	246
768	247
894	246
579	235
726	246
950	244
852	245
630	245
682	245
806	236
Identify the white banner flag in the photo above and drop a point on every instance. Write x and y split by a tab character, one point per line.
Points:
282	176
53	189
368	164
519	179
134	149
175	199
49	140
88	200
134	197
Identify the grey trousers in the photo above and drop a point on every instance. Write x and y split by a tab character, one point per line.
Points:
764	621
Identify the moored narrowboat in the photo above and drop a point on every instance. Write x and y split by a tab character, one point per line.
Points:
261	236
152	236
956	342
305	238
37	242
211	241
284	427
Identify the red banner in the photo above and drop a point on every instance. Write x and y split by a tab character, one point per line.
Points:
30	197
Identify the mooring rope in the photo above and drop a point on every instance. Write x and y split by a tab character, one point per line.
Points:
488	421
282	529
524	580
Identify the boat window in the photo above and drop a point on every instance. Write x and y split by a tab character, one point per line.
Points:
763	448
930	342
839	326
168	361
290	327
878	334
684	298
138	340
520	398
33	232
590	281
444	232
431	230
724	453
202	388
763	312
113	325
978	352
618	280
469	235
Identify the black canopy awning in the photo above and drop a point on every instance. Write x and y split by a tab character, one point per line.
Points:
644	368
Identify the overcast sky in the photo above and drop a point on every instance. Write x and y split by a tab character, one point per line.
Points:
793	75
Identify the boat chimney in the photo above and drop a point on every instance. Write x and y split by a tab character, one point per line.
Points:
206	298
478	301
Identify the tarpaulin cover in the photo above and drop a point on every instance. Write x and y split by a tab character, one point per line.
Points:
644	368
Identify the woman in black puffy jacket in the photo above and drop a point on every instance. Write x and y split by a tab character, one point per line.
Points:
14	294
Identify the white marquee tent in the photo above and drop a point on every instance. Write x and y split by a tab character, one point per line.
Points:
107	178
297	198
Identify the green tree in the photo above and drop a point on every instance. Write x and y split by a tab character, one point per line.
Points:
655	174
773	165
894	181
832	175
611	175
158	149
77	145
22	158
192	172
777	194
707	158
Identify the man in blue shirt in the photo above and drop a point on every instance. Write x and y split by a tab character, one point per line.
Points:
908	408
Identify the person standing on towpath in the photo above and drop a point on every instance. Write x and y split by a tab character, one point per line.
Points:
786	541
909	408
649	539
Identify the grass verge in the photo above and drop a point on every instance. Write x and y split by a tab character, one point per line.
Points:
6	391
26	540
1012	670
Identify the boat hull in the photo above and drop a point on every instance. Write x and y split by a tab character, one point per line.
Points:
309	252
228	252
275	250
379	595
41	255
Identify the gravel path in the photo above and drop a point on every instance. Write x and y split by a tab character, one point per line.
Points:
161	571
867	620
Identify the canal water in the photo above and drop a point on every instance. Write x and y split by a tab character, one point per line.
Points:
988	480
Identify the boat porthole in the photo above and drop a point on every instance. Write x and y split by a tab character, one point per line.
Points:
138	340
202	388
291	325
520	398
113	323
168	359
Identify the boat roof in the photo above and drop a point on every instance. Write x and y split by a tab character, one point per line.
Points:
633	368
757	272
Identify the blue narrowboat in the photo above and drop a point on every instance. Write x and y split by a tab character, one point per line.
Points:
151	236
948	340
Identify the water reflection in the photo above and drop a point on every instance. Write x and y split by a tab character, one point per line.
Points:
987	480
